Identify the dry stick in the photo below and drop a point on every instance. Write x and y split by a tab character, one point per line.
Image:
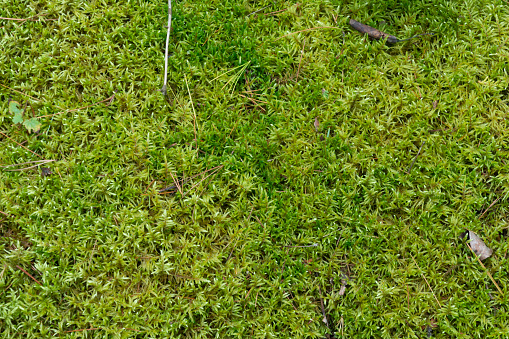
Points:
23	20
323	309
488	272
194	176
29	275
149	185
14	19
194	112
261	9
6	289
277	12
166	50
208	182
211	35
176	183
203	179
12	89
110	99
427	282
28	162
413	162
305	30
26	168
254	100
493	203
21	145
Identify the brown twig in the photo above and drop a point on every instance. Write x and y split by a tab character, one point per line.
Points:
194	112
427	282
203	179
21	145
110	99
165	82
208	182
323	309
486	210
211	35
6	214
194	176
149	185
488	272
12	89
29	275
176	183
413	162
6	289
276	12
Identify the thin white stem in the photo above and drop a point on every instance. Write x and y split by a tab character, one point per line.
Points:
166	50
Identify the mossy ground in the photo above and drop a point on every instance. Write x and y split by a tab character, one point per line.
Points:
234	255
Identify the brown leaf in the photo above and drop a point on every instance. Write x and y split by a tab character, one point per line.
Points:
317	124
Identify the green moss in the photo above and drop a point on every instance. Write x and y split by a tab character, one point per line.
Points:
233	256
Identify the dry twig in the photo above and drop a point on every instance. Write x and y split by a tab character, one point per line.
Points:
413	162
20	144
488	272
427	282
29	275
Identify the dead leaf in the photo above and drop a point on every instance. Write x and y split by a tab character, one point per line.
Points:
45	171
477	245
317	124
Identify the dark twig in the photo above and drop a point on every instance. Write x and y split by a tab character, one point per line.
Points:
375	34
323	309
166	50
413	162
261	9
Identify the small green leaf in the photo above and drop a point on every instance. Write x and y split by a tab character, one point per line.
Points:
18	113
32	125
